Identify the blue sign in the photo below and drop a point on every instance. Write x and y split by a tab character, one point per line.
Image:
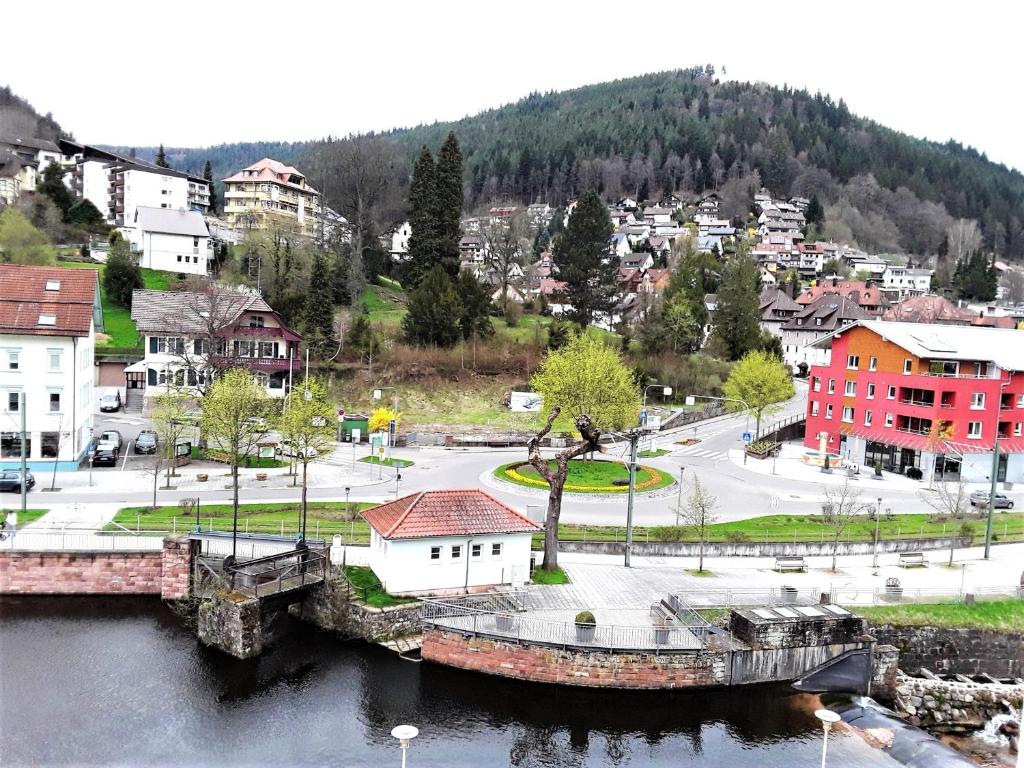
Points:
643	417
747	437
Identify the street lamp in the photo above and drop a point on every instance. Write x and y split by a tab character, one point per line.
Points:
827	717
691	399
665	392
405	734
878	517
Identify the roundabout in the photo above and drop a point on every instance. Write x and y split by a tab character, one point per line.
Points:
588	477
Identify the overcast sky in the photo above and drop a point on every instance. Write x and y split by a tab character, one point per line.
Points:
197	73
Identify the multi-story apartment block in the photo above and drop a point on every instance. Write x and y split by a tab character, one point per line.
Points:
190	337
270	189
48	321
932	397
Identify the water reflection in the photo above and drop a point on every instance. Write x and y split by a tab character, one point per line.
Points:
99	682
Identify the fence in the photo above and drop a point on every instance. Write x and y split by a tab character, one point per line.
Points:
842	594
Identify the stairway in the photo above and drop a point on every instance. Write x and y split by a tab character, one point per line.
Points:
133	400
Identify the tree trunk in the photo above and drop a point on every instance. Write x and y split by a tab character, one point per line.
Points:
551	521
234	507
835	552
700	546
305	466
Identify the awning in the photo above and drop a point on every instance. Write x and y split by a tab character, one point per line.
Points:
139	367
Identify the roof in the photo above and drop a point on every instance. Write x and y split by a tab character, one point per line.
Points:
172	222
180	311
834	312
1002	346
30	143
25	301
865	294
775	300
271	170
928	309
429	514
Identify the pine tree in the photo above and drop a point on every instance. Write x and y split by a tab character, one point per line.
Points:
161	158
318	311
53	187
737	324
423	242
208	177
434	311
581	254
448	204
475	299
815	215
121	275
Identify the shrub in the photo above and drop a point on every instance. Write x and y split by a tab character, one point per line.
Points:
513	312
914	473
736	537
668	533
586	617
967	532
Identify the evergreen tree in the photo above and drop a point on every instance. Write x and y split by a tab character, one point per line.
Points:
318	312
736	318
475	299
423	242
85	215
121	275
448	204
581	254
434	311
53	187
208	177
339	279
815	214
161	158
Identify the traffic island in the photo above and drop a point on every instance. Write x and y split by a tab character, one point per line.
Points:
598	477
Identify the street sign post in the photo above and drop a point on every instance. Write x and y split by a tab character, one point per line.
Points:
747	438
356	434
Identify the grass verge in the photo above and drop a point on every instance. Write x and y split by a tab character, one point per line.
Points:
368	588
587	477
323	519
653	454
392	462
557	576
1003	615
28	516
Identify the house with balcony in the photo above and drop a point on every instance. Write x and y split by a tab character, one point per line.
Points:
822	317
48	322
937	398
190	337
270	190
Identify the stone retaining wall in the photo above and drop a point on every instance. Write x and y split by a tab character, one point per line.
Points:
332	608
951	705
963	651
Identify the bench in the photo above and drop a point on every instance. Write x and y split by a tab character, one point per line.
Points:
795	563
909	559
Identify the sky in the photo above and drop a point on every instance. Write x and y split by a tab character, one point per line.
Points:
199	73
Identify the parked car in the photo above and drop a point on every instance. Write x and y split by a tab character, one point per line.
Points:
106	453
287	449
110	402
111	436
10	480
146	442
980	499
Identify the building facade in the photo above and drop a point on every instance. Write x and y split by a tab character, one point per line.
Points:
172	241
48	322
269	189
931	397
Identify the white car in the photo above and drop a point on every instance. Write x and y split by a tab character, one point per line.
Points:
287	449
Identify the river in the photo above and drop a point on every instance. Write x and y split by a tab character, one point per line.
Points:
101	681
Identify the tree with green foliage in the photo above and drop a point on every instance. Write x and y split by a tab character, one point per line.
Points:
318	311
424	247
737	320
121	275
363	338
161	158
975	278
53	186
170	414
815	214
475	304
761	381
307	428
434	311
836	266
671	326
560	333
208	178
339	278
581	255
589	381
448	203
234	419
84	215
21	243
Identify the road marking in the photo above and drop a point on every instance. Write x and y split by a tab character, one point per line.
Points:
126	454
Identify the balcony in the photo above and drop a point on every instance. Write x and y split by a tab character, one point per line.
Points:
920	403
256	363
912	431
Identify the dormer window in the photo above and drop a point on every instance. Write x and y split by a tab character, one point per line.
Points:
53	285
47	320
256	322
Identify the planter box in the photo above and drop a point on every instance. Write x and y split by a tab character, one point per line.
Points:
789	595
202	477
585	633
261	476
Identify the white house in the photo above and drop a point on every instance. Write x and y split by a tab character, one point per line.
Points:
400	242
901	282
448	542
48	321
172	240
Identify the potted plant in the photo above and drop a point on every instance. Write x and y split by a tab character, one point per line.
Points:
261	476
202	477
503	621
878	469
893	589
826	466
586	625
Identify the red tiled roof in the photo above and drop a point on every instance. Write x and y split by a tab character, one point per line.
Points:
24	298
446	513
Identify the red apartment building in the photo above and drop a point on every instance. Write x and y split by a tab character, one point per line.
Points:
928	396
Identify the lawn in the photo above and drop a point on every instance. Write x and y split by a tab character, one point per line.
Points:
324	519
117	320
557	576
587	476
28	516
653	454
392	462
1007	615
368	588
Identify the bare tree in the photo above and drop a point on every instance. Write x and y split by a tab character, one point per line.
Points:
964	239
699	513
1013	285
951	499
504	239
842	505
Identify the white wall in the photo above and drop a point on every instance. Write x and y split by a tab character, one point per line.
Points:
94	187
153	190
796	351
406	566
174	253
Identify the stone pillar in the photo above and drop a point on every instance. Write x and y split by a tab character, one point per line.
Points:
176	572
884	675
232	626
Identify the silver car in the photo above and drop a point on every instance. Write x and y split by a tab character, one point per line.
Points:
980	499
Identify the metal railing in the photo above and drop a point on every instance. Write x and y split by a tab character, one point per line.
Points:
33	539
279	573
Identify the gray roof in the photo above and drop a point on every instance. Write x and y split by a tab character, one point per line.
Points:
171	221
186	311
30	142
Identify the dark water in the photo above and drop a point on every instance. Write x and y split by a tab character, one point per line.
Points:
88	681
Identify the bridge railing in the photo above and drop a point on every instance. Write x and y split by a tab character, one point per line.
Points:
72	539
278	573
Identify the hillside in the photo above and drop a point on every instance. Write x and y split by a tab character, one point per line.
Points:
18	118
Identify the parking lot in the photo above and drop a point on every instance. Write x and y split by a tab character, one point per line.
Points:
129	425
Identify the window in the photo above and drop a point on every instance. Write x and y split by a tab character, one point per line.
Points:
179	258
888	419
831	386
867	418
12	401
55	402
266	349
851	388
873	364
908	365
13	359
201	346
54	356
817	384
848	414
871	392
476	551
10	445
977	401
456	551
1020	400
435	553
852	361
974	430
1017	429
53	285
256	322
814	407
890	393
245	348
828	410
495	550
49	444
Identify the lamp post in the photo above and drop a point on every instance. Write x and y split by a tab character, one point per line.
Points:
691	399
405	734
665	391
995	473
827	717
878	517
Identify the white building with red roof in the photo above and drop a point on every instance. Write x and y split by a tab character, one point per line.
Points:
448	542
48	322
268	190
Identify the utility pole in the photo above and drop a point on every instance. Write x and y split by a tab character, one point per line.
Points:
992	490
679	497
634	438
24	457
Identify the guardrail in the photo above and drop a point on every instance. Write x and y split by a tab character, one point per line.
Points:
278	573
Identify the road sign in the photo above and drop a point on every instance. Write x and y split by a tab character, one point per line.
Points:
341	414
643	417
391	432
747	438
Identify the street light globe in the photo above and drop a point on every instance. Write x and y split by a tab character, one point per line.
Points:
405	734
827	717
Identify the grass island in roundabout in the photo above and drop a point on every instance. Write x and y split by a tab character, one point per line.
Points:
588	476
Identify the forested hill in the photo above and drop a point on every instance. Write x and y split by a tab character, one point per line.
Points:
19	119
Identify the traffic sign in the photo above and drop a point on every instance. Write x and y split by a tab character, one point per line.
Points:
643	417
747	438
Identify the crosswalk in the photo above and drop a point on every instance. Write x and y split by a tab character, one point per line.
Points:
702	453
